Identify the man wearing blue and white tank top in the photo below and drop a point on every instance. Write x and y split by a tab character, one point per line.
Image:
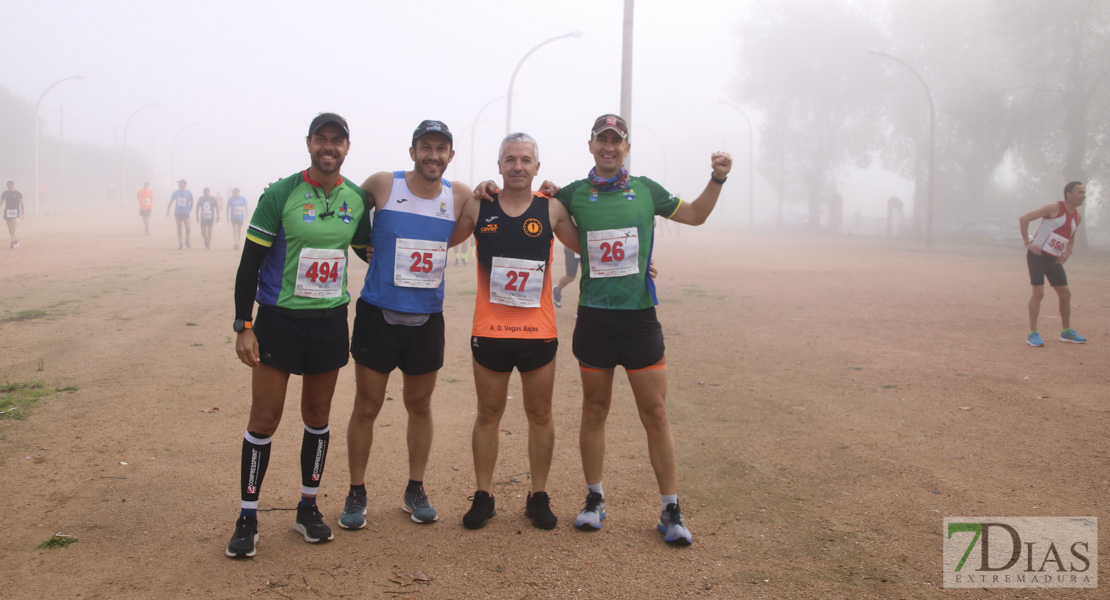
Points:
399	314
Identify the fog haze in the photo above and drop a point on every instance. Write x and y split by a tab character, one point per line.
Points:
235	83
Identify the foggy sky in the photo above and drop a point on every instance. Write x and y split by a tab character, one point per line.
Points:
253	74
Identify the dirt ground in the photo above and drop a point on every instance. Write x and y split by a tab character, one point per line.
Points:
832	399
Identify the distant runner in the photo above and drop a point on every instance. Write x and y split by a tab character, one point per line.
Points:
208	213
1046	254
13	211
181	201
146	204
236	214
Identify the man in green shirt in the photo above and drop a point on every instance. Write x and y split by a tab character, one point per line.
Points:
294	265
616	323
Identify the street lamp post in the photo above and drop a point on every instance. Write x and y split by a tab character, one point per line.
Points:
932	143
512	80
751	154
173	153
124	188
37	104
473	133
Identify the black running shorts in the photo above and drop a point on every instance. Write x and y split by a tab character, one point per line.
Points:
1045	265
416	350
302	342
605	338
501	355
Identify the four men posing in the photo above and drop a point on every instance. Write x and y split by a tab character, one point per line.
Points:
295	268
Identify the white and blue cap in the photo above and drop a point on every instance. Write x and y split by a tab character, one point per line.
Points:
429	126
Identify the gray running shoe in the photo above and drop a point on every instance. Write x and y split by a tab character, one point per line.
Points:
416	504
592	514
670	525
354	511
243	540
310	524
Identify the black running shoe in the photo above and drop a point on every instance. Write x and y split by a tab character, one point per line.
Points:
310	524
244	538
481	511
538	508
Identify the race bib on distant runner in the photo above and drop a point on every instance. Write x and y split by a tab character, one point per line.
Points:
419	263
206	211
613	252
11	213
516	282
320	273
182	201
1056	244
237	212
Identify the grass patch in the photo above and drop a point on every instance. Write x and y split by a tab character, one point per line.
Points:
856	368
17	399
890	387
693	290
468	293
40	365
25	315
58	540
196	345
451	380
190	324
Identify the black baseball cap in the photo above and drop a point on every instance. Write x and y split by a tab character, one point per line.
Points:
429	126
325	118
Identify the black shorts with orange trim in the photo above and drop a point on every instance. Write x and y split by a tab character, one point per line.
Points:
302	342
501	355
605	338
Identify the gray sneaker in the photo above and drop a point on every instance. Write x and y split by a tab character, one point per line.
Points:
670	525
592	514
354	511
416	504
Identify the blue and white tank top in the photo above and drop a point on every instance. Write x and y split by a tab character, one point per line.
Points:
410	237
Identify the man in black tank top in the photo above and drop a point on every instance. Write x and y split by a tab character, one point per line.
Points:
514	321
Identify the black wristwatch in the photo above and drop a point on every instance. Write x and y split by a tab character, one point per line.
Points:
720	181
240	325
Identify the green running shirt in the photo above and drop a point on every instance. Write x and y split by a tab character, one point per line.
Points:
306	267
616	231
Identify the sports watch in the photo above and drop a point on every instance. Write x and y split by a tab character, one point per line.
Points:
240	325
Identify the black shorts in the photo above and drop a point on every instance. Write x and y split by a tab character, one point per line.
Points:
237	221
375	344
207	222
501	355
572	262
605	338
1045	265
184	218
144	212
302	342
